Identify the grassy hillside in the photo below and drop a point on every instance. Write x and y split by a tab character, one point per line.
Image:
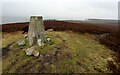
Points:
79	54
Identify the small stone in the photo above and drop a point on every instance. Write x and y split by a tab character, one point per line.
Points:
21	43
110	59
29	51
48	39
47	63
41	56
64	39
36	53
26	36
46	55
50	30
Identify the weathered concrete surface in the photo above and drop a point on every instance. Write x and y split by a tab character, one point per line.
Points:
36	31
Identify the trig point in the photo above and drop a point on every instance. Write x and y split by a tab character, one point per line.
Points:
36	34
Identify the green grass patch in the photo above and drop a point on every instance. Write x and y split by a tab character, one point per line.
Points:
78	54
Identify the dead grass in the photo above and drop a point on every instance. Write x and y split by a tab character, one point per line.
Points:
79	54
8	38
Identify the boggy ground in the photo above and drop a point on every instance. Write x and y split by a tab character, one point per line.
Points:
79	54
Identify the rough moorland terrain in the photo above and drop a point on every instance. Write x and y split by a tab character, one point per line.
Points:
104	33
80	53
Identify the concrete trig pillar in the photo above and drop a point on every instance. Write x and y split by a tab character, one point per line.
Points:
36	34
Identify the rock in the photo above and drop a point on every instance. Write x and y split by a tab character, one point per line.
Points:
41	56
47	63
47	55
21	43
48	39
29	51
36	53
109	59
64	39
26	36
46	36
50	30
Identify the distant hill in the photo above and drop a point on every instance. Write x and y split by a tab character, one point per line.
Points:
102	20
82	27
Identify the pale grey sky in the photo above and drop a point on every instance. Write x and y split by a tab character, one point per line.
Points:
61	9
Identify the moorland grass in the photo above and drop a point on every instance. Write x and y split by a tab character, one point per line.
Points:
78	54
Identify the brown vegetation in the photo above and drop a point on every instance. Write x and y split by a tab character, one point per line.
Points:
13	27
96	28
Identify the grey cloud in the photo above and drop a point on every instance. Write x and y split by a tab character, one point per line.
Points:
73	9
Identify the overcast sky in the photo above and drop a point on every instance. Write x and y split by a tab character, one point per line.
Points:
61	9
